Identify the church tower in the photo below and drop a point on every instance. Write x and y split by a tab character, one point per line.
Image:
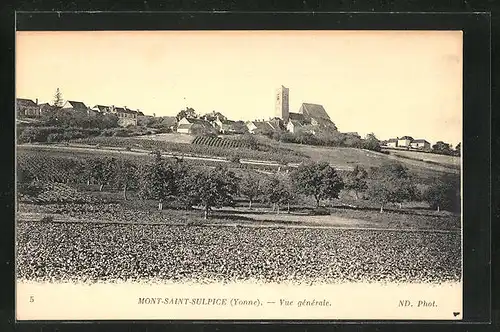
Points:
281	99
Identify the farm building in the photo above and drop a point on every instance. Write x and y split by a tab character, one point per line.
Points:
405	141
194	126
392	143
229	126
259	127
420	144
27	107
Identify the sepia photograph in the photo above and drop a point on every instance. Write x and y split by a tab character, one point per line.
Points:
167	175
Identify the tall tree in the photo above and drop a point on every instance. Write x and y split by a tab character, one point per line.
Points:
371	143
274	191
187	113
157	181
250	187
58	100
391	183
356	180
319	180
211	188
101	171
444	194
442	148
126	175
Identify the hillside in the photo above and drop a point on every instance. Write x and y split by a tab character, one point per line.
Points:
452	161
349	157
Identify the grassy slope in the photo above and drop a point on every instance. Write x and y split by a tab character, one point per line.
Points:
348	157
343	157
436	158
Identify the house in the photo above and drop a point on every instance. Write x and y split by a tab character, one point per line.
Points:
27	107
405	141
259	127
194	126
101	109
46	108
75	106
294	125
392	143
223	126
126	117
277	124
420	144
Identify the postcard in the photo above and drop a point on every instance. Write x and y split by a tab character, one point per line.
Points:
239	175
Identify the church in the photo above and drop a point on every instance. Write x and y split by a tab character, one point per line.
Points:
308	115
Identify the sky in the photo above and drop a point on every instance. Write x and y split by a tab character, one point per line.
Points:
391	83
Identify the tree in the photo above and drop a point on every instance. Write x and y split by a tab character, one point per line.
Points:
58	101
356	180
187	113
442	148
211	188
391	183
157	181
443	194
250	187
274	191
319	180
101	171
371	143
126	175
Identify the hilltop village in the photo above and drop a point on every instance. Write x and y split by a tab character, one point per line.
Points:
310	120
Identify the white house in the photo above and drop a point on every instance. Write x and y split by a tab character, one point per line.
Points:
78	106
405	141
420	144
194	126
392	143
259	127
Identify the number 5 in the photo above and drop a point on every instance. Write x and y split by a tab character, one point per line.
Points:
32	298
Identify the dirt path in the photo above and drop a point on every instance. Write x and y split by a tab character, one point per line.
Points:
261	221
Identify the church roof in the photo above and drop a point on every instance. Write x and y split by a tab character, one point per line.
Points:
313	111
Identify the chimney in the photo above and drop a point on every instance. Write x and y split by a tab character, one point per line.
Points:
36	101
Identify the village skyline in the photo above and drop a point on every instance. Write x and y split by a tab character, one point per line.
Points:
92	106
413	89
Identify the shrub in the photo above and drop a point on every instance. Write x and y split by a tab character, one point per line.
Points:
55	137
